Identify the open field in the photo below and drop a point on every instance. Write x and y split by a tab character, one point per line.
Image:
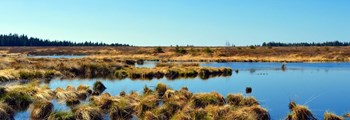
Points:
198	54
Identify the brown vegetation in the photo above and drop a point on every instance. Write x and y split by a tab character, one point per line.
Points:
199	54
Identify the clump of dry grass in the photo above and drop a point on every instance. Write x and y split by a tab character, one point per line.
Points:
62	94
332	116
182	116
235	99
61	115
238	100
150	116
104	101
249	113
206	72
146	90
17	101
88	113
161	89
122	110
4	115
72	102
146	103
299	112
41	110
6	112
217	112
202	100
120	74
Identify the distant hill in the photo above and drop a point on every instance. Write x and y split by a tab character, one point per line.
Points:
23	40
331	43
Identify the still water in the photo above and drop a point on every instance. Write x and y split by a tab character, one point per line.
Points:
320	86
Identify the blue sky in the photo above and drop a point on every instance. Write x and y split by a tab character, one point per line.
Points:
182	22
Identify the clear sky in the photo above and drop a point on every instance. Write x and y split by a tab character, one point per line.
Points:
182	22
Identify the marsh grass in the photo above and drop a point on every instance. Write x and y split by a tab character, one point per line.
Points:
249	113
88	113
202	100
299	112
161	88
17	101
146	103
158	103
41	110
72	101
6	112
332	116
61	115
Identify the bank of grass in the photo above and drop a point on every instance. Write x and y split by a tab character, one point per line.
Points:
173	72
45	68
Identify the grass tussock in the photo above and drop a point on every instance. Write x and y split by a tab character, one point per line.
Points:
332	116
204	99
238	100
41	110
299	112
161	89
17	101
88	113
249	113
217	112
6	112
72	101
146	103
61	115
121	111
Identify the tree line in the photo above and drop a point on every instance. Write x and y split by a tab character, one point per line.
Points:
24	40
330	43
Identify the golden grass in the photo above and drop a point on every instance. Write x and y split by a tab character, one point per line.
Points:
61	115
41	110
332	116
88	113
299	112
